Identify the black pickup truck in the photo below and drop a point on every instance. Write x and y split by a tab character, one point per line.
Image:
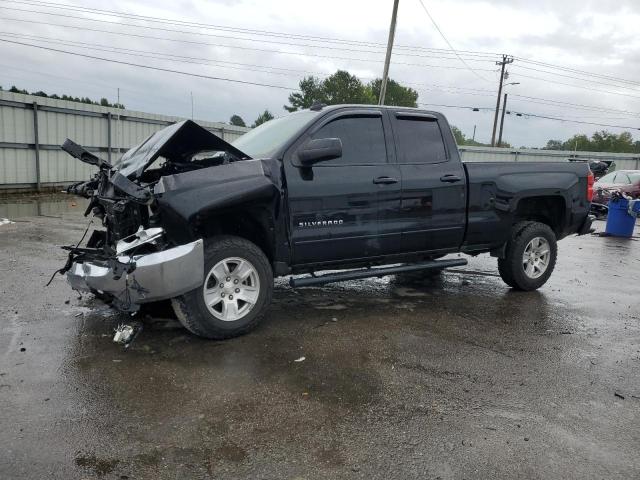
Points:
362	190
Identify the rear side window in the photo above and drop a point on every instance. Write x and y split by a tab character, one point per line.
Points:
420	141
362	140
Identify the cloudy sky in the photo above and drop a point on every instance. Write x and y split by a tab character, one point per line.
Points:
277	42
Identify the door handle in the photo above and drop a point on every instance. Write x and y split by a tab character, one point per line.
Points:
385	180
450	178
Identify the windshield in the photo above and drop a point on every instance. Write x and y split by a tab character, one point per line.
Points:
608	178
265	140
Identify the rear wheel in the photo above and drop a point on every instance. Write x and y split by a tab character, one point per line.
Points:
235	293
530	256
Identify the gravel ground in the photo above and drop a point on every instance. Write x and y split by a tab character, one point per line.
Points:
448	376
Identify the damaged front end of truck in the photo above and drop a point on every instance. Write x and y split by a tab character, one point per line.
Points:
150	204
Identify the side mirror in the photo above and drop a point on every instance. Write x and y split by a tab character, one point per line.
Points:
320	150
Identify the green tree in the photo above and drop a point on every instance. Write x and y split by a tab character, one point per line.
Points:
262	118
103	101
343	87
553	145
396	94
577	142
458	135
237	121
311	91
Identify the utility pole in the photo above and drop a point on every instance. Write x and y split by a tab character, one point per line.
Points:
191	105
506	60
387	60
117	142
474	134
504	109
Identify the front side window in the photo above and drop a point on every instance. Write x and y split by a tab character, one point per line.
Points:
362	140
420	141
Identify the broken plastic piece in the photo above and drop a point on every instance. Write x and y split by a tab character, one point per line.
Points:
123	334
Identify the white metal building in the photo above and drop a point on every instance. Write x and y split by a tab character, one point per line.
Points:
33	128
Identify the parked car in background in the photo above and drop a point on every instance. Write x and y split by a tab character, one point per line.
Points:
599	168
625	181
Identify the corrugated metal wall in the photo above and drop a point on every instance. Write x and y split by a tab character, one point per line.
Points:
107	131
623	161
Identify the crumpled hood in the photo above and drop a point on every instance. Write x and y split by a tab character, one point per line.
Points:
176	142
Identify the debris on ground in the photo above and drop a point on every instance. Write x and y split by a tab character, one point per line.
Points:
619	395
125	334
5	221
301	359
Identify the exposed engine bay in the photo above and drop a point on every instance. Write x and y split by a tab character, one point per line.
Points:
150	203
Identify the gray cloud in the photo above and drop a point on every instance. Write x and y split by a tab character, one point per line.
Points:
594	36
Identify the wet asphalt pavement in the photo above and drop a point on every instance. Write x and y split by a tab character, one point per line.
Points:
449	376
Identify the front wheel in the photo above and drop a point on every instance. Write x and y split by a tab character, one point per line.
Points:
530	256
236	291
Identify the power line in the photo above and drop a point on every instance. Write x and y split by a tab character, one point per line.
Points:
449	43
578	86
608	83
120	24
560	103
191	24
208	77
525	114
247	31
193	42
574	70
291	72
162	56
572	121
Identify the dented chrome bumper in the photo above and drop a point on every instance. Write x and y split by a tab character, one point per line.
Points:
152	277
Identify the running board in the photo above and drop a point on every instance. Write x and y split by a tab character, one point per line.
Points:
375	272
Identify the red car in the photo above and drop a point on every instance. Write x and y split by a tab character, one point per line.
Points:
626	181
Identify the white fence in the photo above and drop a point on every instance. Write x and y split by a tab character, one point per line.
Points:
623	161
33	128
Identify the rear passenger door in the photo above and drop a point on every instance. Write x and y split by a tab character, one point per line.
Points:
433	197
336	206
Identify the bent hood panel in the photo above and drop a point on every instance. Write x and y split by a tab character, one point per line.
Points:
175	142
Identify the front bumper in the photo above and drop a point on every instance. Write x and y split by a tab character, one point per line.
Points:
157	276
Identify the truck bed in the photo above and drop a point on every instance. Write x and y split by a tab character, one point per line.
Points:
495	190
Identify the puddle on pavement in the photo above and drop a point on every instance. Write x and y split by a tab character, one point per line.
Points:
51	205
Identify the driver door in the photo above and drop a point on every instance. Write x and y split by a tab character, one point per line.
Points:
336	205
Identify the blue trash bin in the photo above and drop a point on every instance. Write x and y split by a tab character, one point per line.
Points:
620	222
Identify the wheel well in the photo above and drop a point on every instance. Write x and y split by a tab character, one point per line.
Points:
252	224
550	210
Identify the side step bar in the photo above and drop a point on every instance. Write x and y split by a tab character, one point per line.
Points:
375	272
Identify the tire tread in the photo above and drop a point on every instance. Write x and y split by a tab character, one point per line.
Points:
189	315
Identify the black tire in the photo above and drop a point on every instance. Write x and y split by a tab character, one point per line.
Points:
511	268
191	309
